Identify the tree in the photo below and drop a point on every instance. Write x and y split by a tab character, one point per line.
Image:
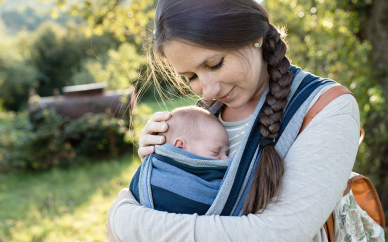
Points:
371	23
127	20
17	73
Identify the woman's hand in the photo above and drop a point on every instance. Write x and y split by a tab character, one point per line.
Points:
123	194
148	138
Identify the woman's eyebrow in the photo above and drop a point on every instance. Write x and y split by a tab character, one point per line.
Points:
201	64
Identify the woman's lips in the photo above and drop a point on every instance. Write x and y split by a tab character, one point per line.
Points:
227	96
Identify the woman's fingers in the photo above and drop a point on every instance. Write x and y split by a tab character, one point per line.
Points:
160	116
147	142
148	136
154	127
144	151
149	139
155	124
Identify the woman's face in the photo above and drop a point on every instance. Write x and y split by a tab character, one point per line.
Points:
234	78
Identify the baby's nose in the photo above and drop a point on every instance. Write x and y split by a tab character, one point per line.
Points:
223	156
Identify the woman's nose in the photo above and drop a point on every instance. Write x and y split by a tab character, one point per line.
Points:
210	87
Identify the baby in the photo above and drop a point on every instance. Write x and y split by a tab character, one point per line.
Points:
197	131
184	175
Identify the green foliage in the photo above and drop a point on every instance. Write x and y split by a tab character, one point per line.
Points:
126	20
50	140
357	10
321	41
17	73
119	71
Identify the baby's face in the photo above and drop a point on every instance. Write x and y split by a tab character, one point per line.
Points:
211	141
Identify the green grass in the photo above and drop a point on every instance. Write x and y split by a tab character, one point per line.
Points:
62	204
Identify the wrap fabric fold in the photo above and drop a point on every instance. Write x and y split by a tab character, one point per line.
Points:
177	181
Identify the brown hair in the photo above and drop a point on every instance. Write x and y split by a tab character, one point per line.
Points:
186	121
229	25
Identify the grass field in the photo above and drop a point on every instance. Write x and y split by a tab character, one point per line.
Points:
62	204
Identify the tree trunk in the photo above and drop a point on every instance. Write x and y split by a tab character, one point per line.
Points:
375	29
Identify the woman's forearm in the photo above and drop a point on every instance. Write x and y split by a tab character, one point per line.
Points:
132	222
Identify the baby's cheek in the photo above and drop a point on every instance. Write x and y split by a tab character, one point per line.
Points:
204	153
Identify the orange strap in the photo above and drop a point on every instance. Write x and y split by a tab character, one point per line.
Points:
367	198
322	101
329	228
362	136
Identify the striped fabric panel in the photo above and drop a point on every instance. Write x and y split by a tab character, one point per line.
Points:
236	131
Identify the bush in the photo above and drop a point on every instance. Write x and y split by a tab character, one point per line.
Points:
49	140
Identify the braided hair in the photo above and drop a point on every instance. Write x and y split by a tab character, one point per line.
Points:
229	25
268	174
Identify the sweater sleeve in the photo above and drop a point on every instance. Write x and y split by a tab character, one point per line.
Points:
317	168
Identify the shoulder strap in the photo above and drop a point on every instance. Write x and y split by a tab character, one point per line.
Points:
322	101
329	228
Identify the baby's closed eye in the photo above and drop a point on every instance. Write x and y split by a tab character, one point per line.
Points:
215	152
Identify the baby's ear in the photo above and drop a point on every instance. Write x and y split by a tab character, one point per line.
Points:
180	143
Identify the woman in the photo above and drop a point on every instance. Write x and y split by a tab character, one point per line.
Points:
227	50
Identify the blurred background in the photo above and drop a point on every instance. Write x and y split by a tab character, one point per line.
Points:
60	171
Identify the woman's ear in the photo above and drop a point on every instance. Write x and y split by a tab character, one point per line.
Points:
180	143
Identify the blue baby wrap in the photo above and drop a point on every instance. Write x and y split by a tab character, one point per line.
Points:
177	181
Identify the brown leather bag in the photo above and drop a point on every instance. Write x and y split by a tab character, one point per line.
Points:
363	190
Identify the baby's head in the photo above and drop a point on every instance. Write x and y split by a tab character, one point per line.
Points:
197	131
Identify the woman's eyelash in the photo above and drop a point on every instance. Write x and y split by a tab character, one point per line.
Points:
213	68
218	66
192	78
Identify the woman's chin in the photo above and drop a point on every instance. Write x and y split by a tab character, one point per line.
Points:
239	103
234	104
